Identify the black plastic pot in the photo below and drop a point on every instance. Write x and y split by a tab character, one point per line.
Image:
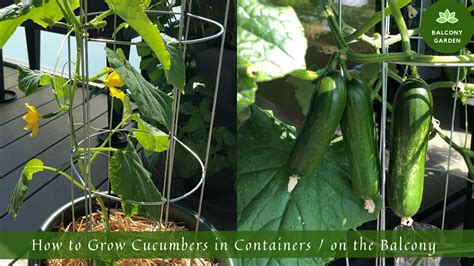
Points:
180	215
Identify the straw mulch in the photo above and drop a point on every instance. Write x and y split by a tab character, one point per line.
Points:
119	223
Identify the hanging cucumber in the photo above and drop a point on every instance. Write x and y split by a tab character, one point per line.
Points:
357	124
410	130
325	111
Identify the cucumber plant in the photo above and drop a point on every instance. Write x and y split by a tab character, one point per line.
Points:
128	178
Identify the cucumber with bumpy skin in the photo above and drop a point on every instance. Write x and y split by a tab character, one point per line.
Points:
357	124
319	127
410	130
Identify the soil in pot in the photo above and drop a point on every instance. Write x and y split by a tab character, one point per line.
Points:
119	223
184	220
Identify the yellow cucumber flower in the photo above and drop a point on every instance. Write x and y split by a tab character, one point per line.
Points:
114	82
32	118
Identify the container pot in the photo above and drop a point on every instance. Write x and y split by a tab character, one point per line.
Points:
180	215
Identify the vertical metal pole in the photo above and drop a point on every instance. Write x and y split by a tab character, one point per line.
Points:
450	150
469	202
383	124
72	173
175	117
213	112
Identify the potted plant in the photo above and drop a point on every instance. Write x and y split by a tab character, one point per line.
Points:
129	180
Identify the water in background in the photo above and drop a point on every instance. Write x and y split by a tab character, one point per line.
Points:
15	51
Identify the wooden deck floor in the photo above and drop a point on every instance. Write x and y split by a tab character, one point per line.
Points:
48	191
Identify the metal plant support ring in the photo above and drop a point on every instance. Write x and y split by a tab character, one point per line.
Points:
141	203
192	41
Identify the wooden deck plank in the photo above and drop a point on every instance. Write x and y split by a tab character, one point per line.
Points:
55	156
10	81
43	204
16	109
8	71
27	148
13	130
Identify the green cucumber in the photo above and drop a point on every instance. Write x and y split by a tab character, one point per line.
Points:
357	125
325	111
410	132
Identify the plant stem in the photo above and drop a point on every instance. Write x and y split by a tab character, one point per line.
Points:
450	84
379	98
98	76
402	27
398	37
373	21
80	186
70	14
467	154
64	174
101	17
308	74
409	56
94	156
105	149
395	76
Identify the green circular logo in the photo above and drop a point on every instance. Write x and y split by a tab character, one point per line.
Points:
447	26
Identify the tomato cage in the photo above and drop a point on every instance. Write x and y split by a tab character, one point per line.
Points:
450	175
185	16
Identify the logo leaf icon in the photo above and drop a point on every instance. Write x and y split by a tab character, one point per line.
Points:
441	20
447	16
453	20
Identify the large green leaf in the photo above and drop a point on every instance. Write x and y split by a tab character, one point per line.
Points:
322	201
42	12
150	137
134	14
29	81
133	182
304	90
151	102
246	89
176	75
271	39
23	185
271	44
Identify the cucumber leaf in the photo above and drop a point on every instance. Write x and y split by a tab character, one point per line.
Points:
176	75
271	39
152	102
30	81
271	44
150	137
23	185
304	90
134	14
323	201
42	12
133	182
